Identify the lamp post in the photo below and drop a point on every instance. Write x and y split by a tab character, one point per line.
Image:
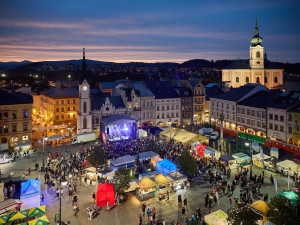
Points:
69	77
221	132
60	184
251	153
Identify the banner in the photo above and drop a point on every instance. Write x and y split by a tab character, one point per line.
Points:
295	127
275	184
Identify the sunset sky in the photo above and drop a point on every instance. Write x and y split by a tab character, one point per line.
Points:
146	30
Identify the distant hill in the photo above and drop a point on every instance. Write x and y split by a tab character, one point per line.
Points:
9	65
77	62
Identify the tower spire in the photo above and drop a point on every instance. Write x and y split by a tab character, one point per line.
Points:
256	30
83	67
256	39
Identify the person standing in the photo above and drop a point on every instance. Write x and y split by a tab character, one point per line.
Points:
217	197
185	202
143	208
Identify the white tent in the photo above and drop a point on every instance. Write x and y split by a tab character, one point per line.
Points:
216	218
288	165
30	194
142	133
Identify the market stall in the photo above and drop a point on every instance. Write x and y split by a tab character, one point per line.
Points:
147	155
163	184
229	161
260	159
22	147
9	205
105	194
211	153
146	190
154	160
177	179
165	166
242	158
288	167
216	218
260	207
122	162
90	173
30	194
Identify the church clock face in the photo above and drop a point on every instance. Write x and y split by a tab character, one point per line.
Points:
84	88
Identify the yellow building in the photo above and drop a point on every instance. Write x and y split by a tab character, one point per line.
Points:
15	118
256	70
56	106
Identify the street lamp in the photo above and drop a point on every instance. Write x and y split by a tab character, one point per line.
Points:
69	77
251	153
62	183
44	138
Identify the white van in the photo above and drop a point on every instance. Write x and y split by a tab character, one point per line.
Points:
6	158
214	135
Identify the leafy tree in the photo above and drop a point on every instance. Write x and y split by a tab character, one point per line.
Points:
243	215
282	211
97	157
121	180
187	163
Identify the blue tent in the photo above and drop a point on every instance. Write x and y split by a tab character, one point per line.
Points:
30	188
165	166
123	161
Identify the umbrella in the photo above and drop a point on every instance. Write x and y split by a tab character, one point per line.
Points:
37	211
18	215
86	163
39	221
4	218
290	195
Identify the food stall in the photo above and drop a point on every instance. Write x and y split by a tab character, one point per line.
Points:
91	173
288	166
216	218
177	179
229	161
260	207
146	189
165	166
10	205
122	162
163	184
242	158
154	160
259	159
211	153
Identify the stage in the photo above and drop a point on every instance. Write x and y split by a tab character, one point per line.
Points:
118	128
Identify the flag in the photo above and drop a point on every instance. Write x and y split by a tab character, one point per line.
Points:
275	184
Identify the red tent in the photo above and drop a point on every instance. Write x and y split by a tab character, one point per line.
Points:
201	148
105	193
86	163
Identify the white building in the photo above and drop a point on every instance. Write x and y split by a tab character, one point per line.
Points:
84	118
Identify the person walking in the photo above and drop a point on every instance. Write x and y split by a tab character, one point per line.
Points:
143	208
185	202
140	220
42	197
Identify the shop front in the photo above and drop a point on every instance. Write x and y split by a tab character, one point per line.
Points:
146	189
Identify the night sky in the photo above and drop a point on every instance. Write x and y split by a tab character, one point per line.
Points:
147	30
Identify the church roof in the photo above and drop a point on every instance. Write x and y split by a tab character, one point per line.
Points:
97	101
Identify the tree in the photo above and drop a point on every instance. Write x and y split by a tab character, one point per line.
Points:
97	157
121	180
282	211
243	215
187	163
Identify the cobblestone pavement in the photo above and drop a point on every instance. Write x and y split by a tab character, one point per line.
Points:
127	213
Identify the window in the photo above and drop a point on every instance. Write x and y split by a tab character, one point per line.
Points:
57	109
5	129
263	125
290	130
73	108
69	101
0	116
14	115
227	106
151	104
62	102
14	128
257	54
248	112
62	109
217	104
275	80
281	119
97	120
247	80
62	117
57	102
237	79
276	117
252	123
257	80
84	107
243	111
1	129
213	103
84	123
281	128
5	115
57	117
248	121
266	79
136	105
157	108
239	110
68	116
163	115
227	116
73	116
258	114
162	107
74	101
157	117
238	119
271	126
252	113
25	126
270	116
68	108
258	123
167	107
233	107
177	114
290	117
276	127
177	107
25	114
243	120
222	105
263	115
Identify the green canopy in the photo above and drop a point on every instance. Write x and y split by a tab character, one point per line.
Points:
18	215
37	211
39	221
4	218
290	195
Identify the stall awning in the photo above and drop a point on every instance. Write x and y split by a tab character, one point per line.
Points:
39	221
226	158
216	218
176	176
86	163
147	155
9	204
292	196
123	160
160	179
288	165
23	144
55	137
146	183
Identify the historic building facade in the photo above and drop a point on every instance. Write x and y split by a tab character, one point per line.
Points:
256	70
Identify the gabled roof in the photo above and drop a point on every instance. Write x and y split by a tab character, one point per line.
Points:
128	93
194	82
184	92
98	101
62	92
261	99
211	91
144	91
161	89
235	94
14	98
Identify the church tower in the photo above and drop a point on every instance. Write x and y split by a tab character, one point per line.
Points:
84	118
256	50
